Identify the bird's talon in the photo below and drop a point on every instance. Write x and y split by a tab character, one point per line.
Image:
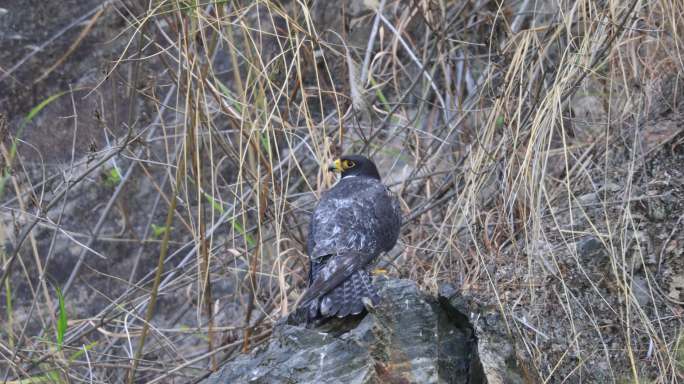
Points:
368	303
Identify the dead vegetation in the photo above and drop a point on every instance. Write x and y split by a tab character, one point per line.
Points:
536	148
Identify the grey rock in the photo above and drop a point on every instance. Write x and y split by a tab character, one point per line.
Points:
656	209
589	247
410	337
640	290
498	361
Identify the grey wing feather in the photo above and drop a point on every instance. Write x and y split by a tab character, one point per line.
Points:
388	212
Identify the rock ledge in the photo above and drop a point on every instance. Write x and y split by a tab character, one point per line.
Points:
410	337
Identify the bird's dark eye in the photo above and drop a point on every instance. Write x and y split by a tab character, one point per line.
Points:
348	164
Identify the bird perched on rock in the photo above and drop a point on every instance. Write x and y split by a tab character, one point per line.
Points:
352	224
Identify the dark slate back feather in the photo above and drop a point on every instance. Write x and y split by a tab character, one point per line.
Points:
357	214
352	224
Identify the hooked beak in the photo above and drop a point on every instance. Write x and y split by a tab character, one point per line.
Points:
336	166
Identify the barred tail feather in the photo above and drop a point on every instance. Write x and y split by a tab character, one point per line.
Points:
348	297
368	289
358	282
330	303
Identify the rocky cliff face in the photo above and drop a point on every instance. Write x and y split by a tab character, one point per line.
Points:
410	337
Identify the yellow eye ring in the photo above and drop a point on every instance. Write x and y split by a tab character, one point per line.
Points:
348	164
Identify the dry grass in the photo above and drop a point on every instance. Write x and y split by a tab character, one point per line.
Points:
469	107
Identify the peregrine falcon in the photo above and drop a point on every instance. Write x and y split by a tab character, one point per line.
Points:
352	224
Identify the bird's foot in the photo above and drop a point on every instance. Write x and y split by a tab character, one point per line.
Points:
368	303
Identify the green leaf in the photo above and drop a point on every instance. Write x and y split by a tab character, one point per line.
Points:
36	110
50	377
158	230
81	351
214	203
266	141
230	97
113	177
248	238
54	377
379	94
61	319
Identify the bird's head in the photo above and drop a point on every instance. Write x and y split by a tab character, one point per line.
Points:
355	165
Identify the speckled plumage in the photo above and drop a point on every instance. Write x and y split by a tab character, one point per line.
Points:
352	224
